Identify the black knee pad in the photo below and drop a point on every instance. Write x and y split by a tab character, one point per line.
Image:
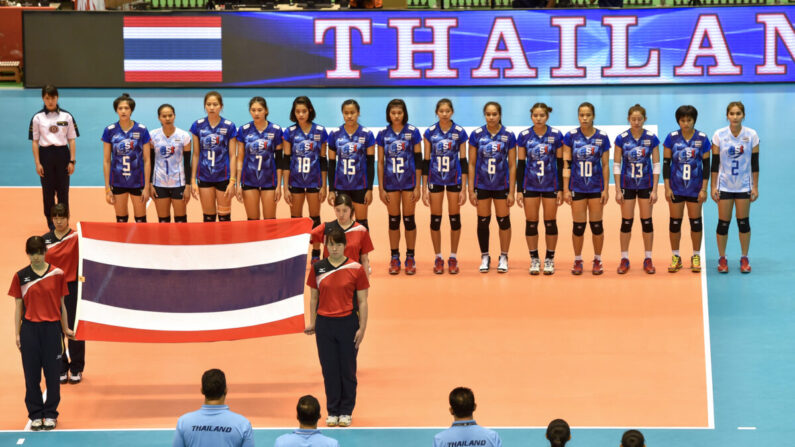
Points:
531	228
579	228
483	222
675	225
626	225
181	219
647	225
249	218
140	219
224	218
122	219
723	227
394	223
744	225
315	221
455	222
408	223
596	227
436	222
364	223
551	227
696	225
166	219
209	218
505	223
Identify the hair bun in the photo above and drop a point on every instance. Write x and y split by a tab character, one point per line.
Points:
125	95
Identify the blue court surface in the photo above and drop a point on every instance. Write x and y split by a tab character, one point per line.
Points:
751	317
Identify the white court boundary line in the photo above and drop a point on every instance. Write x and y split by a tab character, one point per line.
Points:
707	341
529	427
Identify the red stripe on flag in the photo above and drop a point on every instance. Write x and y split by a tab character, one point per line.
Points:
206	233
173	21
89	330
173	76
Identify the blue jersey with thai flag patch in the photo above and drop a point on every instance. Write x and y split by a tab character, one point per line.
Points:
541	152
586	160
351	153
491	162
636	161
687	173
126	154
305	155
213	150
445	168
399	168
259	159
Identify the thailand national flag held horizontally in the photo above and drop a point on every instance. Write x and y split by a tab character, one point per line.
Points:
172	49
191	282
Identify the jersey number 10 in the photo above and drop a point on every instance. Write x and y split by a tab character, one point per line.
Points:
586	168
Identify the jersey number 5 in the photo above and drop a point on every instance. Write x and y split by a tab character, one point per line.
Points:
125	161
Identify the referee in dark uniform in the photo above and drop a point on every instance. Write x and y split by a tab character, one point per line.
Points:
53	131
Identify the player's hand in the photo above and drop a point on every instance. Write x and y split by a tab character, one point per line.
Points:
239	194
70	334
230	190
277	194
511	199
520	200
567	197
416	195
383	196
357	339
331	197
186	194
194	190
426	196
619	196
321	195
715	195
702	196
288	196
19	344
605	197
152	192
462	197
754	193
473	198
653	197
70	168
559	198
145	195
109	197
669	195
310	329
368	197
40	169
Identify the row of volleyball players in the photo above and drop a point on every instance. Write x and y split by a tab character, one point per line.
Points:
552	168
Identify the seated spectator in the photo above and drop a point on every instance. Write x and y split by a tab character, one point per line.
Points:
213	424
307	434
532	4
633	438
558	433
609	3
465	431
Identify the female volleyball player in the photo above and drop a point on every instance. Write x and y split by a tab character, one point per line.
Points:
637	170
126	145
399	174
258	165
351	162
215	161
558	433
359	244
492	149
586	153
338	323
171	158
538	177
685	175
444	172
735	180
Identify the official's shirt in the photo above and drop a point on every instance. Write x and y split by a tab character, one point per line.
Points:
445	168
305	438
259	161
127	154
541	152
636	161
305	155
491	164
399	169
63	253
41	294
213	426
213	150
735	174
337	286
351	153
357	237
687	173
53	127
169	168
586	163
467	434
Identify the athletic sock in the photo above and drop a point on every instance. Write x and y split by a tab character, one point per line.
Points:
439	255
648	254
578	257
597	257
395	253
676	252
550	254
624	255
452	255
534	254
410	252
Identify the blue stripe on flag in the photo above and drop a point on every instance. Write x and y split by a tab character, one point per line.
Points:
186	291
179	49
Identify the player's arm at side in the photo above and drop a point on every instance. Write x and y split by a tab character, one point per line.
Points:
106	154
470	183
566	173
715	170
381	182
755	172
606	176
361	297
511	175
18	310
666	172
195	167
655	160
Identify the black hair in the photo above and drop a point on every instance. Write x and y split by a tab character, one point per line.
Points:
337	236
49	90
397	103
349	102
632	438
302	100
495	104
213	384
217	96
261	101
126	98
684	111
166	106
343	199
308	409
558	433
542	106
444	101
636	108
59	210
462	401
35	245
589	105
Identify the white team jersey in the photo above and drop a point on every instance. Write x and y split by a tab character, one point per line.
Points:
169	171
735	158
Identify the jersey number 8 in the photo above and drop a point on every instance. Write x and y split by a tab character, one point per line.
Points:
686	172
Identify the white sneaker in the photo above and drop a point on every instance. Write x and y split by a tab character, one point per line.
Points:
76	378
36	424
535	266
49	424
485	263
502	265
332	421
549	266
345	420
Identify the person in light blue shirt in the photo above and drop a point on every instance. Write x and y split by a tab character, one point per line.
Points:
213	425
465	431
307	435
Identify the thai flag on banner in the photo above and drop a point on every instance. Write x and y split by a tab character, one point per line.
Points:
172	49
191	282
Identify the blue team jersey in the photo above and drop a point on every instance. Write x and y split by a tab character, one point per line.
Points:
399	169
541	173
636	162
126	154
305	155
259	159
213	150
491	161
305	438
445	153
687	173
586	163
351	153
213	426
465	434
734	174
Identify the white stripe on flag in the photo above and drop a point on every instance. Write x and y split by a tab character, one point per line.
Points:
191	321
193	257
172	33
172	65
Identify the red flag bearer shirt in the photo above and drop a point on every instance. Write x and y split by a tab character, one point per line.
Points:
337	286
63	253
41	294
357	238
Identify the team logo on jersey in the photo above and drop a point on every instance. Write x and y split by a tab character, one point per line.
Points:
445	145
53	129
399	145
636	154
124	147
494	147
350	149
212	140
586	151
167	151
736	151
